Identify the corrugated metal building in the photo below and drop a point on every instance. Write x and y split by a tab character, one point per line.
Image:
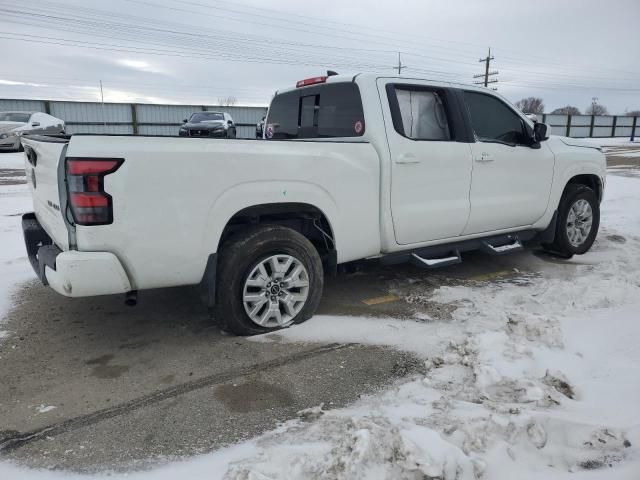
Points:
148	119
141	119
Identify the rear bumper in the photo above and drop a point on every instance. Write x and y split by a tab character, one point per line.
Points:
72	273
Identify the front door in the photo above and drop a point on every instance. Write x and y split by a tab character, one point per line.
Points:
430	169
511	181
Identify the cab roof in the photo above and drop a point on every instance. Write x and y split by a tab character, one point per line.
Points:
372	77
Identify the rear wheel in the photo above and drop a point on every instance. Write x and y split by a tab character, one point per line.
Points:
269	277
577	222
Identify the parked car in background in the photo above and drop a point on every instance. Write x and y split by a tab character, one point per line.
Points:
208	124
260	128
15	124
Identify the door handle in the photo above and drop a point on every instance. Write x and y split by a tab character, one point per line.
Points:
485	158
407	158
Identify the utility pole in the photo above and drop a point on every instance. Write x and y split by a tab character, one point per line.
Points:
400	65
487	73
102	100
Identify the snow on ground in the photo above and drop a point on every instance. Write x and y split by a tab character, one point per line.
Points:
619	146
12	160
538	378
15	268
45	408
532	378
613	142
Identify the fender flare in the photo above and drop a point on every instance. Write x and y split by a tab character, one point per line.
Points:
250	194
566	175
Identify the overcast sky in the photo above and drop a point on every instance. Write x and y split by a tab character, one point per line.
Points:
197	51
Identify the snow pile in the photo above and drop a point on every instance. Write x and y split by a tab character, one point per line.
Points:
363	447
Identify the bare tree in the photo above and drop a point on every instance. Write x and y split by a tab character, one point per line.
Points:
596	108
568	110
531	105
229	101
633	113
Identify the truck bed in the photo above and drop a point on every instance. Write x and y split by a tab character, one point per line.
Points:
172	196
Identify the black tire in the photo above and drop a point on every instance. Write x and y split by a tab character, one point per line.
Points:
241	254
561	243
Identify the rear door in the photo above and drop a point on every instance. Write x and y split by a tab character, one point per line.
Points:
42	164
511	180
430	161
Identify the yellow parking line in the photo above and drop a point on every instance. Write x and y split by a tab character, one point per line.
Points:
485	277
379	300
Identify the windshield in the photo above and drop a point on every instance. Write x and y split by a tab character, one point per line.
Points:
206	117
14	117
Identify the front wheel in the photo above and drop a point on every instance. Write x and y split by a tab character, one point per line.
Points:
577	222
269	277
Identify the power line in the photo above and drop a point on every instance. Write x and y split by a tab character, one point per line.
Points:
242	47
229	39
393	34
264	40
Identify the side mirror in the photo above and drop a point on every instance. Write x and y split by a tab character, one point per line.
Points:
539	132
185	120
35	124
229	122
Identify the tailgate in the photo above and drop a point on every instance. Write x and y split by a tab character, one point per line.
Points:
45	176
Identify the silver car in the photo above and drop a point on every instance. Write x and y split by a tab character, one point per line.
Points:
15	124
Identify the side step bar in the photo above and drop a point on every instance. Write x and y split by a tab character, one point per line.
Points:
514	246
449	254
422	262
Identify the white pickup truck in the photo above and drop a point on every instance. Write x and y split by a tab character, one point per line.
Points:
350	168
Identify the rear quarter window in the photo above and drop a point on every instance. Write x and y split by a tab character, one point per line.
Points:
323	111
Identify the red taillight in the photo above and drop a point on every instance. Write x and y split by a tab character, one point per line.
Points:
89	203
88	200
77	166
310	81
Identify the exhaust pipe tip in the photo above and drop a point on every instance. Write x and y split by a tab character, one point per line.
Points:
131	298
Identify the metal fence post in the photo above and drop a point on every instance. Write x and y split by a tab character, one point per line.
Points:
568	134
633	129
47	107
134	118
591	126
613	127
